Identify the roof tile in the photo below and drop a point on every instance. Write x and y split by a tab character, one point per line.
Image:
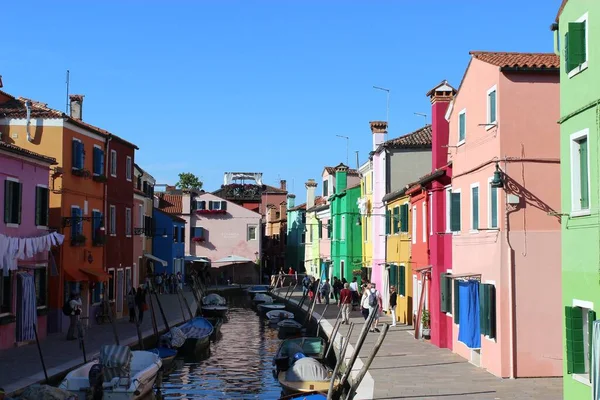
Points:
11	148
419	138
518	60
171	203
331	171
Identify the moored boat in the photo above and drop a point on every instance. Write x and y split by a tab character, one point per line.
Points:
313	347
305	396
262	298
306	375
121	374
166	356
214	305
266	307
216	323
275	316
289	327
197	335
258	289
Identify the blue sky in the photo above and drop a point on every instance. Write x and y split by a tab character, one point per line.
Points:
255	86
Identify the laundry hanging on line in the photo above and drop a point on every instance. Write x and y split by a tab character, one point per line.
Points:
469	330
17	248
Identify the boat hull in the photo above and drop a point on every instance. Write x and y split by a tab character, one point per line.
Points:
194	345
215	311
304	386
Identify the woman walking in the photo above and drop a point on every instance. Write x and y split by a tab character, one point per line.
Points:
393	300
131	303
140	302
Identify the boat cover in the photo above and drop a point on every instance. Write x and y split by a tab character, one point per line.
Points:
116	361
214	299
174	338
197	328
279	314
307	369
289	323
263	297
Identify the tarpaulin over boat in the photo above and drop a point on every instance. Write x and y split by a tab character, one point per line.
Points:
214	299
307	369
116	361
174	338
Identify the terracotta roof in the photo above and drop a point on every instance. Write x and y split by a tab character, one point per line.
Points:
173	217
320	201
273	189
11	148
299	207
518	60
560	9
419	138
171	203
331	171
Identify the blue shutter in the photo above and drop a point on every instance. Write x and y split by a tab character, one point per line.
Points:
101	162
75	152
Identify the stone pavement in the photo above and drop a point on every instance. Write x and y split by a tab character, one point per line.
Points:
405	368
21	366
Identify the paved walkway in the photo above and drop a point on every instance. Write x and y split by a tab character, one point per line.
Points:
21	366
405	368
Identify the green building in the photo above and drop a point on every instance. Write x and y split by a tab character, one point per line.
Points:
296	225
346	244
577	40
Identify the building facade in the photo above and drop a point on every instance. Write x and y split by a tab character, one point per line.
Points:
296	225
275	238
365	206
143	197
168	242
312	248
505	214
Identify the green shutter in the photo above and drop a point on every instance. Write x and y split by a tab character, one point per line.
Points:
320	229
393	275
455	212
575	45
18	197
461	127
591	319
494	206
210	205
584	199
483	310
224	206
456	301
574	340
444	293
402	283
566	56
7	202
491	300
38	205
475	211
404	218
388	218
492	100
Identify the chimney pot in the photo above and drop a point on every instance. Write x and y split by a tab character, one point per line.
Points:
378	126
76	106
283	184
1	85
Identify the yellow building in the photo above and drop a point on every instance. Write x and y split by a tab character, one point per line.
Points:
365	207
398	252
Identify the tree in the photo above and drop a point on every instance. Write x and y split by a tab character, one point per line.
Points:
188	180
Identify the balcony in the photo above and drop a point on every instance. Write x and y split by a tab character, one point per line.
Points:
81	172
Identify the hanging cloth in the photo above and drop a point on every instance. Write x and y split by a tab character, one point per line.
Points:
595	367
469	331
26	306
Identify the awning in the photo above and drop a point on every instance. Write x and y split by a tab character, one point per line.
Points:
423	269
153	258
95	274
75	275
196	259
232	260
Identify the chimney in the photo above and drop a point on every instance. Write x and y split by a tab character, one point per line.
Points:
1	85
311	187
378	129
291	201
440	97
283	184
341	178
76	101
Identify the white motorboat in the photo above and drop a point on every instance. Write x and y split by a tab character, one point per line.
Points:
266	307
121	373
262	298
275	316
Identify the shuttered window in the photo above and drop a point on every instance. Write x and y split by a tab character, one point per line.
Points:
591	318
76	222
456	301
584	196
96	224
462	126
492	107
487	310
396	220
575	45
402	281
41	206
574	340
393	275
404	218
13	192
455	211
388	221
445	293
320	227
77	154
98	158
493	191
475	208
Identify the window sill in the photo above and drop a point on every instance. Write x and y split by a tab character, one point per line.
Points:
580	213
128	236
491	125
490	339
448	314
493	228
114	176
42	228
581	378
7	318
579	69
11	225
460	143
474	231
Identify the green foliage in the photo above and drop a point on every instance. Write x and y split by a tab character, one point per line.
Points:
188	180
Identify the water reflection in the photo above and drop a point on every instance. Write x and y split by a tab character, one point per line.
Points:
238	365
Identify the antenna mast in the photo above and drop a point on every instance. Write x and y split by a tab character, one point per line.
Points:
67	103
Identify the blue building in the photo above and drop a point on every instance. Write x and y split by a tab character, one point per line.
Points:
168	243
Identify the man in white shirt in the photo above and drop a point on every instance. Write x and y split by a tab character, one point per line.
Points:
374	308
354	293
75	304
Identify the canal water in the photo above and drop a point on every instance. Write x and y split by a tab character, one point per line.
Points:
238	365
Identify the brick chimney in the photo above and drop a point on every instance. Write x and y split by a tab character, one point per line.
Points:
440	97
291	201
283	184
378	129
341	178
76	106
311	187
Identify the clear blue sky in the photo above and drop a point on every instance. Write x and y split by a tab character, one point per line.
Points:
265	86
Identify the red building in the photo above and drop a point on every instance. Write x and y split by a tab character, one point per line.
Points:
120	265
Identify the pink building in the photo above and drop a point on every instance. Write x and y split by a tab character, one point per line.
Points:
504	207
24	195
225	233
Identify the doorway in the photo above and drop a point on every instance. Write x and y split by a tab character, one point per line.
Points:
342	269
119	292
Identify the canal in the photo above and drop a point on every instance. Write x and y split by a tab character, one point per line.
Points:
238	365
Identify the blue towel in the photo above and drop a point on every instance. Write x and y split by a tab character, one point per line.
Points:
469	331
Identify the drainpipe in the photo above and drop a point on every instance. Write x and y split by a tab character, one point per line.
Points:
105	198
28	123
511	313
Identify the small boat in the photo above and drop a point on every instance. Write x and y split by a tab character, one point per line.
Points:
305	396
121	373
214	305
289	327
166	356
313	347
254	290
214	299
262	298
275	316
266	307
216	323
306	375
197	335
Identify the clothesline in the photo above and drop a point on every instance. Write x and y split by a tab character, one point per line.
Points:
22	248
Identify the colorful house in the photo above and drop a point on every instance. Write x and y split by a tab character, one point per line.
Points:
143	197
431	250
296	219
77	194
346	244
225	233
312	247
576	30
505	214
24	194
169	239
398	256
275	237
365	203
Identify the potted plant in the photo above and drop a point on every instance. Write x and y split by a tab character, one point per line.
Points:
99	240
78	240
99	178
356	272
425	322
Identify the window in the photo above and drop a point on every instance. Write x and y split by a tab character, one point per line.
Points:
277	215
6	293
445	293
576	46
424	216
252	232
414	225
97	222
175	234
78	154
396	220
365	229
325	188
580	174
303	237
13	192
97	293
343	230
462	127
404	218
487	310
111	284
112	222
113	163
455	211
430	214
76	222
310	234
492	205
491	107
41	206
140	216
388	221
98	158
127	221
303	216
579	321
41	286
402	280
320	229
217	205
128	166
475	207
455	302
330	229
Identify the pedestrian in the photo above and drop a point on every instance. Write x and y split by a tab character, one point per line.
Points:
345	302
374	302
305	285
291	271
317	290
131	303
75	307
393	301
140	302
158	280
364	302
337	287
180	280
355	295
311	288
326	291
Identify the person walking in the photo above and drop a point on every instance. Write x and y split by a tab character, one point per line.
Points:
393	301
326	291
140	302
159	283
131	303
364	302
305	285
318	290
75	306
337	287
374	301
355	295
345	302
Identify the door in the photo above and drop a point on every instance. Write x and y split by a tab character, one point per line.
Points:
415	296
128	278
342	269
85	303
120	292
